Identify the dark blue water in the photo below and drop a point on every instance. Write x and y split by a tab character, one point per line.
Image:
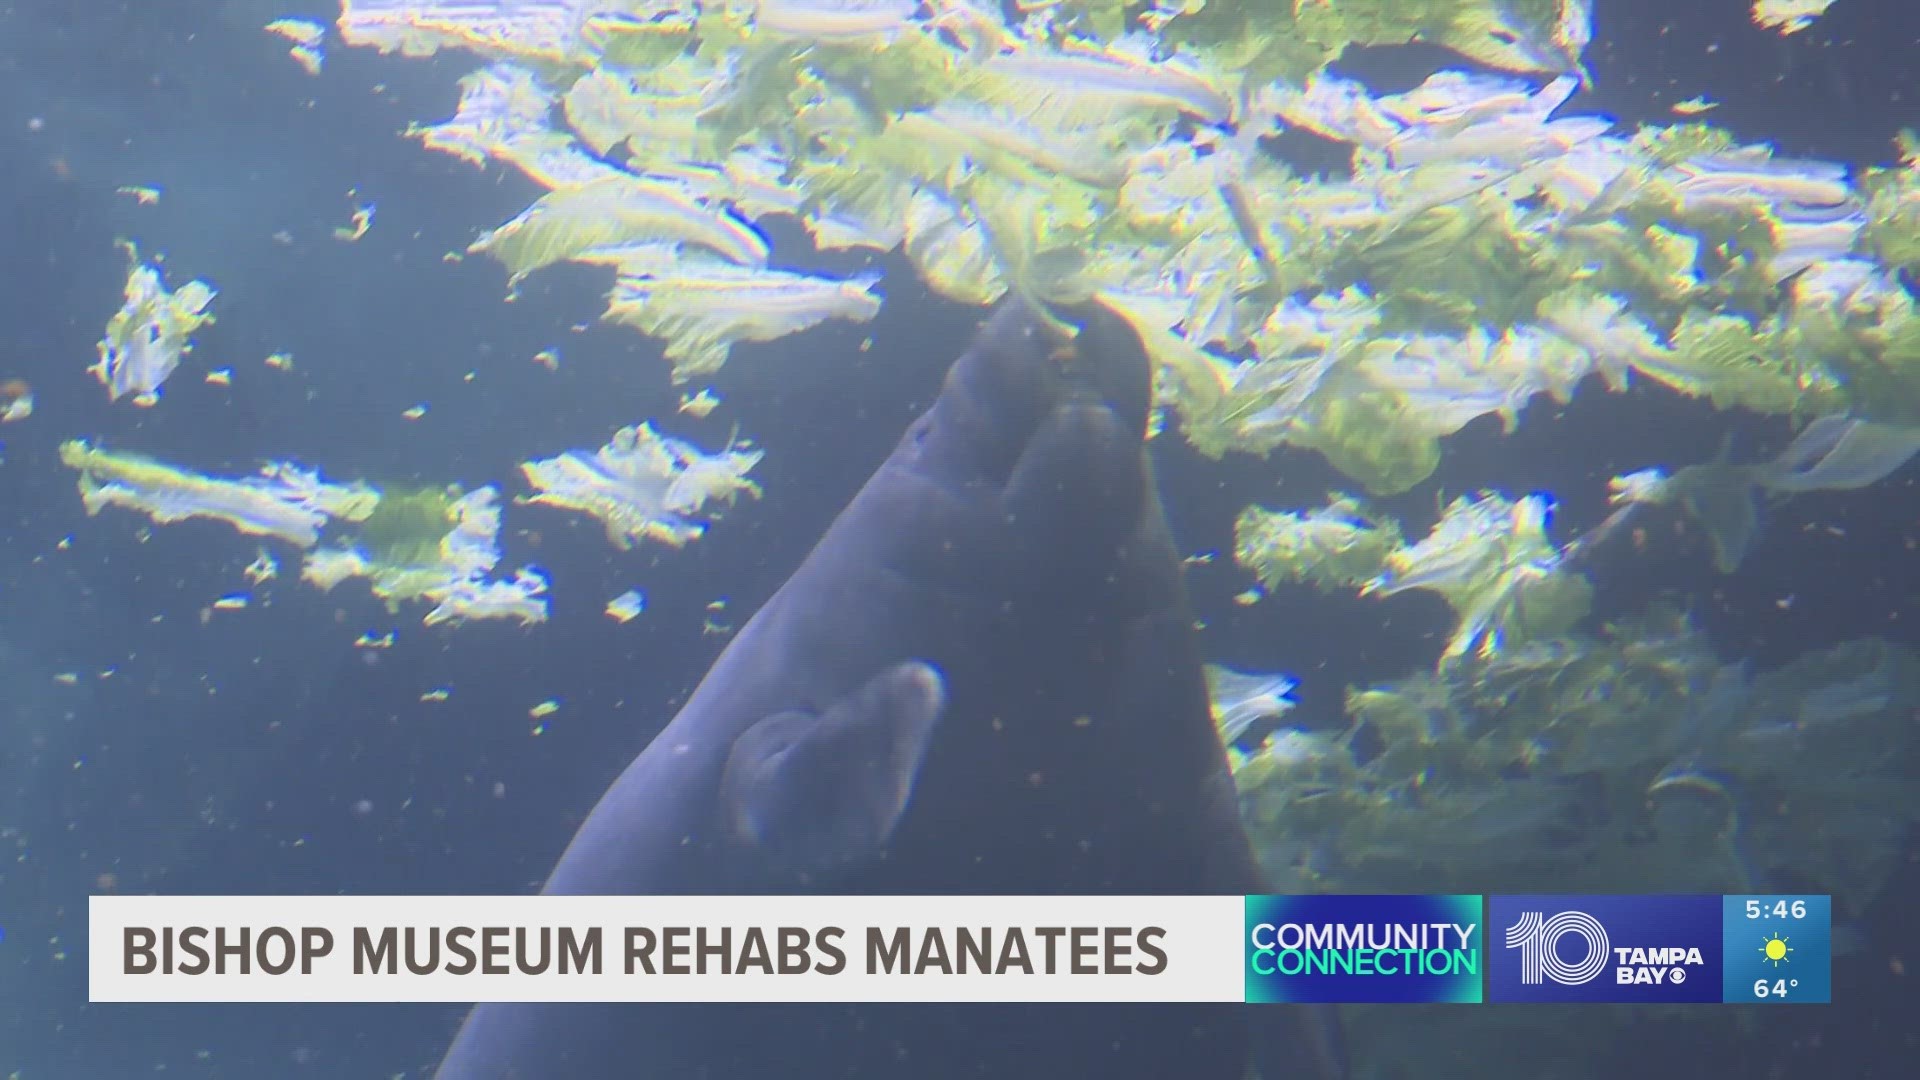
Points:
259	751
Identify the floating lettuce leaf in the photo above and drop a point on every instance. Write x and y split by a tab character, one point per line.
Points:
1492	561
1892	235
1451	266
701	309
952	252
638	44
544	32
1673	143
1566	763
1063	151
1656	263
1337	546
1117	87
1291	39
1373	437
1788	16
499	106
283	500
572	223
873	24
439	547
642	485
658	112
1242	699
1728	360
406	527
914	71
1224	405
147	337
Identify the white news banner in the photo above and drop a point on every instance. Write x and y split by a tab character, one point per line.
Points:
666	948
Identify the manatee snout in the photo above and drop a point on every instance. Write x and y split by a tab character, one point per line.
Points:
1108	362
1024	382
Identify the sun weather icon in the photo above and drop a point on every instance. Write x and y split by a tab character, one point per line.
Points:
1776	949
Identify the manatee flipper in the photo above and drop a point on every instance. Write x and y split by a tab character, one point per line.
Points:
811	791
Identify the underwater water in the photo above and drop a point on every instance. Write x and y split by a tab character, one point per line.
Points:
1538	388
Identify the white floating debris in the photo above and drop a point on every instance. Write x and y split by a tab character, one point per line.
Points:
700	404
147	337
16	400
1788	16
263	568
642	485
454	579
625	607
1240	699
357	225
283	500
307	37
701	309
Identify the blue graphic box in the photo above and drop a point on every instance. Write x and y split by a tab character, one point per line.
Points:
1779	949
1604	948
1364	949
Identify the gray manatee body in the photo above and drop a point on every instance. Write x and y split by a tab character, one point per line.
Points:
982	680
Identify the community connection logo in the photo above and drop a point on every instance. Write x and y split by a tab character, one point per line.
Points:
1363	948
1605	948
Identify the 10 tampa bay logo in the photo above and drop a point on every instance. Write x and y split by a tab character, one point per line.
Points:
1604	948
1540	938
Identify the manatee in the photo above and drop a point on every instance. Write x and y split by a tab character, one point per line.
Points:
982	680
